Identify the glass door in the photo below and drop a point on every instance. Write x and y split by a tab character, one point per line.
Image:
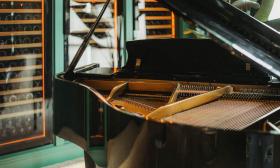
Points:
103	48
23	117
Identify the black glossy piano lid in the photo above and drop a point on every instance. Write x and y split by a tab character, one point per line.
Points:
182	59
237	31
274	23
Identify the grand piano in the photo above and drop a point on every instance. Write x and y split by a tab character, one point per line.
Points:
192	103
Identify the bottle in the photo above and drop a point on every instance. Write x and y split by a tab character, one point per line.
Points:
36	28
37	51
27	28
29	96
28	6
13	64
18	17
2	42
13	98
38	61
19	28
2	76
2	87
18	41
9	17
7	28
26	40
36	6
18	5
8	41
3	53
15	74
36	17
28	17
4	5
25	51
37	83
36	40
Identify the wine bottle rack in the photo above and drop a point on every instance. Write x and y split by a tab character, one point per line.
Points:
22	93
104	42
153	21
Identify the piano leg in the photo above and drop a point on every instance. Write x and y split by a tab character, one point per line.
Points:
89	163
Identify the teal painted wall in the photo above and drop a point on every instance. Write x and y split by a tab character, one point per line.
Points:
58	36
42	156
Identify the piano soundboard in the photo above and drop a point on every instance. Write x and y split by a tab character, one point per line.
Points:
218	106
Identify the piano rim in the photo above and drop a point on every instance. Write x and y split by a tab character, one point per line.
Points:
96	93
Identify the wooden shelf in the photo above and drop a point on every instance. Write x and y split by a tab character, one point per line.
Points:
157	9
81	10
159	27
159	36
20	0
90	1
21	68
20	33
20	114
17	80
78	10
20	91
98	30
10	22
20	57
94	20
21	102
151	1
158	18
20	10
148	1
188	32
29	45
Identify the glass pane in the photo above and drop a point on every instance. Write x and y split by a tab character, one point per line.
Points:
103	45
22	112
266	11
153	21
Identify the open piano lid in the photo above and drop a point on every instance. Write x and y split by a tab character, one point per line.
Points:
238	32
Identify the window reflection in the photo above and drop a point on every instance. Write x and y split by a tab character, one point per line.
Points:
266	11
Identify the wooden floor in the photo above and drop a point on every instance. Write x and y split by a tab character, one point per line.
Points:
77	163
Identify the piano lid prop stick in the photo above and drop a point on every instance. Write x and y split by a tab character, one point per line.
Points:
186	104
69	74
